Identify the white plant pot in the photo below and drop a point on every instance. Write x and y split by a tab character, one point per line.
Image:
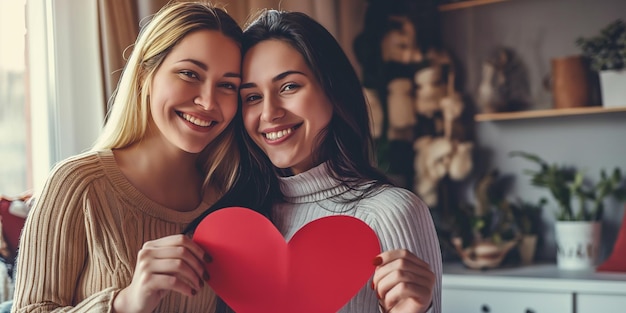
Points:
613	88
578	244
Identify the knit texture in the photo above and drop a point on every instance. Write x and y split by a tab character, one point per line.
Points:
399	218
80	242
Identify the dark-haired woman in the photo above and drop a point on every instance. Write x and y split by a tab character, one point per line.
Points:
306	121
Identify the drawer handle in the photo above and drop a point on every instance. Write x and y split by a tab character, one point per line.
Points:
485	308
530	311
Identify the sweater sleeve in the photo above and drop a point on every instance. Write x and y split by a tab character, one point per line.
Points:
403	221
53	248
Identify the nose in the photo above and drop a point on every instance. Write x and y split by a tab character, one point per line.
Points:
206	98
272	110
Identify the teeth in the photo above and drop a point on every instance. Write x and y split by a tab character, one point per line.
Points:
277	135
196	121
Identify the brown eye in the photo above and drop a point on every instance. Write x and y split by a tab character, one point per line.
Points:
290	87
251	98
189	74
229	86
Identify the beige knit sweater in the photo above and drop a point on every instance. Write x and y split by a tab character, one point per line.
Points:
79	246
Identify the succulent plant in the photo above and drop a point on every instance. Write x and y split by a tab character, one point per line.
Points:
566	184
557	179
606	51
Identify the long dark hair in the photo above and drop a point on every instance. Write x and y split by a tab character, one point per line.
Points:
255	187
346	144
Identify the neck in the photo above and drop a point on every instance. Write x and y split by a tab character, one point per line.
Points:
165	174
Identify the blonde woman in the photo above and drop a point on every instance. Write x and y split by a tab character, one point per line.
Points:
104	235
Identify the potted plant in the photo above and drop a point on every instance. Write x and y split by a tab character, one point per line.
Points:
557	179
486	231
607	186
528	220
577	232
607	54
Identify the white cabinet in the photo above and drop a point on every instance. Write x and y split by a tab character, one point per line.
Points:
531	289
497	301
589	303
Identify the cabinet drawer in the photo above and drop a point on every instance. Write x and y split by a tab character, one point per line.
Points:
498	301
590	303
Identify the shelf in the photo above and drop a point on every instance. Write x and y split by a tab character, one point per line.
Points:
484	117
466	4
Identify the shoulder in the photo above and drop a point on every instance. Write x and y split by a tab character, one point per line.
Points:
393	198
68	185
77	163
392	207
81	168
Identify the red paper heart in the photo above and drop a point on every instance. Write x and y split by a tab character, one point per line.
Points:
255	270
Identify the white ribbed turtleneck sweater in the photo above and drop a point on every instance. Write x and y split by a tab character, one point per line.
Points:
400	219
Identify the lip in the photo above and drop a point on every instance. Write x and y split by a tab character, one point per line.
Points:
293	128
212	122
279	128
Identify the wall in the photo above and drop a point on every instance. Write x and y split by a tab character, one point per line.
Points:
539	30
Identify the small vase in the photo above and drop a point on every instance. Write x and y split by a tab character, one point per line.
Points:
570	82
527	248
578	244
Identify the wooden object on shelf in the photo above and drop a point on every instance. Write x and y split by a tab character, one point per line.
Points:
545	113
466	4
527	248
570	82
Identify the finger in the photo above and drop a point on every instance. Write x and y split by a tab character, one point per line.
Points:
168	262
401	265
391	255
402	278
413	293
180	240
177	248
159	282
405	264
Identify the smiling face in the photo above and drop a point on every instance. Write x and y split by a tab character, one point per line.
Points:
194	91
284	107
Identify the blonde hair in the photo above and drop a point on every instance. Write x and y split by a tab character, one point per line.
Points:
129	114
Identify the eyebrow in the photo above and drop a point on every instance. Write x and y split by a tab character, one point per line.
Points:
206	68
275	79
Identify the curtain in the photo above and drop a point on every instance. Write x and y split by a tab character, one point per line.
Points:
119	26
120	20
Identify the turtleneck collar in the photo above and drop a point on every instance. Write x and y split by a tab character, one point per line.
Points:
311	186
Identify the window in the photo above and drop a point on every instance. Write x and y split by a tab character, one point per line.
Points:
15	168
51	98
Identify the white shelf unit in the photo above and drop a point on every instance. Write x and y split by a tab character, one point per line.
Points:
541	288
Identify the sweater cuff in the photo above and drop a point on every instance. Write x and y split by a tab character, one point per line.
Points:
113	295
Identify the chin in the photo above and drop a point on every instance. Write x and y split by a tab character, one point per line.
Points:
193	149
281	164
